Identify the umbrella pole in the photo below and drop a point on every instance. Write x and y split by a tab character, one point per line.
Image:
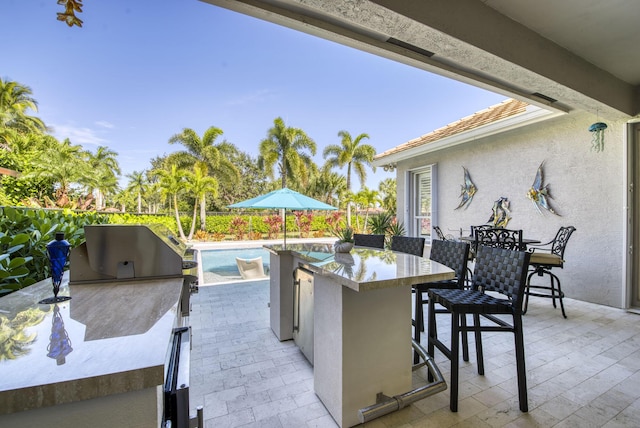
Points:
284	227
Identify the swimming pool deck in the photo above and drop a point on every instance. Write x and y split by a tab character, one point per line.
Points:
581	372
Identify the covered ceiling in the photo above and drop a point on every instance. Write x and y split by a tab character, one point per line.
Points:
558	54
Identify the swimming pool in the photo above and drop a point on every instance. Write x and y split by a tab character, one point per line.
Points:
221	266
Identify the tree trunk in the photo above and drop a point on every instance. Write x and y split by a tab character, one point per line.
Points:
193	221
175	206
203	213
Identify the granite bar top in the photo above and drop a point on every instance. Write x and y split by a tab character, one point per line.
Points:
109	338
365	268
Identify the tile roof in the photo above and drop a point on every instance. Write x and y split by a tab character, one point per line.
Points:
495	113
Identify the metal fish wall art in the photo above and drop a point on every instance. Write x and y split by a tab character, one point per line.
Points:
468	189
501	213
539	193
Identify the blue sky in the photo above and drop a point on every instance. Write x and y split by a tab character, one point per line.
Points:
140	71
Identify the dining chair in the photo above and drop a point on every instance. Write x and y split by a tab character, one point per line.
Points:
501	238
501	272
440	234
408	244
453	254
368	240
474	238
545	257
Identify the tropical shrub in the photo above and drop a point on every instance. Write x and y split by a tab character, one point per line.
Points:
23	238
239	226
303	222
380	223
274	225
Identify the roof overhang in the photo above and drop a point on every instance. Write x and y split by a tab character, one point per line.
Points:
485	43
531	115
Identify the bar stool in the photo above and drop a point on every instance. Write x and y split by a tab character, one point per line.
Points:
544	258
453	254
366	240
497	270
408	244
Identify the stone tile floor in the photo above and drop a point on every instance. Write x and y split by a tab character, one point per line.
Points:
581	372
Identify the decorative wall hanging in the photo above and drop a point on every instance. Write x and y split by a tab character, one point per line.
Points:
597	136
539	193
501	214
468	189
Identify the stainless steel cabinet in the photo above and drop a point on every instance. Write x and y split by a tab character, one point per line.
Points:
303	312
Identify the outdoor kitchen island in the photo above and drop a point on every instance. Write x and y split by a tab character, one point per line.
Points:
117	352
96	360
361	322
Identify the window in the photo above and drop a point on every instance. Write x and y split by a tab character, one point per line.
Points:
422	201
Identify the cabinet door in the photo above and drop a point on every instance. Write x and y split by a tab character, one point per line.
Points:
303	313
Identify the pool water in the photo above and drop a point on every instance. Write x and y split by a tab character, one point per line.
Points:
221	265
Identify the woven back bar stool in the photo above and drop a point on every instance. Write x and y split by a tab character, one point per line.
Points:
408	244
497	270
366	240
453	254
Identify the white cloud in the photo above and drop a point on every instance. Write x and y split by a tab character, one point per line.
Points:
105	124
77	135
258	96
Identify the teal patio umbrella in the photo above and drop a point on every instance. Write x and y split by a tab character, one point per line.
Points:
286	199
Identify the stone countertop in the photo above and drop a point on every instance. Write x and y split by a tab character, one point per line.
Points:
366	268
118	336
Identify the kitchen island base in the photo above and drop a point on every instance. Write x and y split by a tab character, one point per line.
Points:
362	346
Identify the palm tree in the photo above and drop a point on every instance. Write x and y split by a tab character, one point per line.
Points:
388	189
15	101
200	185
328	186
354	155
204	154
285	147
63	164
368	198
172	183
104	163
137	184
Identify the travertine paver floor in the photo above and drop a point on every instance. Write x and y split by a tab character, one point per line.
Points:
581	372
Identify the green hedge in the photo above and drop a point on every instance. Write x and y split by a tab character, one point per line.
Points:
23	238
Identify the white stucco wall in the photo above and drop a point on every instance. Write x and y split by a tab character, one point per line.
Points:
588	190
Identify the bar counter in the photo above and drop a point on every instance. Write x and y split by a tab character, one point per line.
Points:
361	321
95	360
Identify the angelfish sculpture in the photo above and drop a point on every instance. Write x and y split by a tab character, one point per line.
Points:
501	213
539	193
468	189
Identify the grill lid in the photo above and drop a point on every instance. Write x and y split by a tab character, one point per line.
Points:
126	252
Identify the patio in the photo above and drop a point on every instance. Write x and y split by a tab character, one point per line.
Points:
583	371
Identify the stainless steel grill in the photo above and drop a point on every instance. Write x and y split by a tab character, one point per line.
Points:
128	252
146	252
